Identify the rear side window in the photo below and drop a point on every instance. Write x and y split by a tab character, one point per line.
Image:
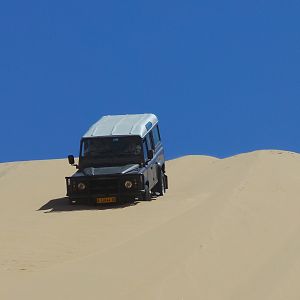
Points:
156	136
149	142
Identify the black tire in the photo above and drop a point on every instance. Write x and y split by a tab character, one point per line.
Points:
147	195
161	184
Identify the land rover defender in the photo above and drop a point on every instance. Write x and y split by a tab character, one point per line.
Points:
121	159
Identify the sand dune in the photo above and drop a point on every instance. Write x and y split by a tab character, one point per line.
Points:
227	229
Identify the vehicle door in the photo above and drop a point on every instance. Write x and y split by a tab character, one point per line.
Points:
149	165
158	159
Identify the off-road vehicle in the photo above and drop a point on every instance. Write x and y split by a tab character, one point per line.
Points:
121	159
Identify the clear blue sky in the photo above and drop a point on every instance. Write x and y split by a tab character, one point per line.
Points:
222	76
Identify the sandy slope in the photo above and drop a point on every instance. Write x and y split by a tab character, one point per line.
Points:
227	229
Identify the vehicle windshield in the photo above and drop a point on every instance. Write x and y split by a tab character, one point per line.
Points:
112	149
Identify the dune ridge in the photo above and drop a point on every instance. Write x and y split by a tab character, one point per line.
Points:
226	229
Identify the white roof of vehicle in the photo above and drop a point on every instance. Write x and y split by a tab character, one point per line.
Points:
119	125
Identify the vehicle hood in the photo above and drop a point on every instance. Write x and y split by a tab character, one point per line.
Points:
91	171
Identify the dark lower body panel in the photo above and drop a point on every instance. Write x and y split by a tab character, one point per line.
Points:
105	198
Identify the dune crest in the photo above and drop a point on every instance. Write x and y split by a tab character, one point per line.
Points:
227	229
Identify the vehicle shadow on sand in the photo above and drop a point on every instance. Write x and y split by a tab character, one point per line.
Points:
63	205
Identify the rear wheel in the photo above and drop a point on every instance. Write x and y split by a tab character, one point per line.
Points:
147	194
161	184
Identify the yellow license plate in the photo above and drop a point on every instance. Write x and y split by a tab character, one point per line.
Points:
106	199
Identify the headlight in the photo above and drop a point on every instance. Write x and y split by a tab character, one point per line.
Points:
128	184
81	186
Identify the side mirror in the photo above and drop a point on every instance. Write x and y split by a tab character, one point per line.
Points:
71	160
150	154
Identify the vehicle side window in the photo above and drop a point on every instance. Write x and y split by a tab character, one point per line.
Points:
149	142
158	132
145	149
156	137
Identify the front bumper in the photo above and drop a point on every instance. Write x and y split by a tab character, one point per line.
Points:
119	198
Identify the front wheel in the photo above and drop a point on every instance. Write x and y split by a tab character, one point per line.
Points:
147	194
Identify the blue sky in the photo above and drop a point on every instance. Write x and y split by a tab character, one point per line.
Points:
222	76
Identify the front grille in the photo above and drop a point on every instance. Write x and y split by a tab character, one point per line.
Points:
103	186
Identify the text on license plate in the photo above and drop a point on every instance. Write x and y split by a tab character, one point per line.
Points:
106	199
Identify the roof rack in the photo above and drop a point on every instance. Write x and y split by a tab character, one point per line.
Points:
122	125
